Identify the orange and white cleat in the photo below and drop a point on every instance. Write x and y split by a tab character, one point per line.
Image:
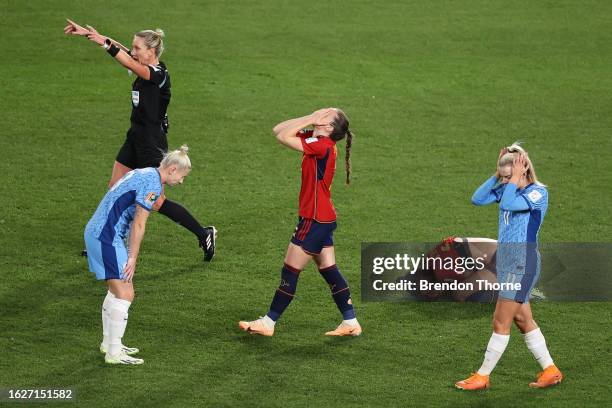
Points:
475	382
550	376
345	330
257	327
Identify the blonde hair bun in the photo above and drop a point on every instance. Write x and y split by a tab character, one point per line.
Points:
178	158
153	40
516	148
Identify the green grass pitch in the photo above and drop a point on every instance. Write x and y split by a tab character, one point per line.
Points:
433	90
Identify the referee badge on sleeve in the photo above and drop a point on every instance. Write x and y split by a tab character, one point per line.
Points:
151	198
135	98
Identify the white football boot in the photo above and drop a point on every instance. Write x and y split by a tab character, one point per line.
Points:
122	358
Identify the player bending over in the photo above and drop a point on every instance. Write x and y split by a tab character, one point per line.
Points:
122	215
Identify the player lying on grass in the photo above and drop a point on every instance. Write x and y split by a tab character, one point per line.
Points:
523	202
313	236
454	247
146	140
122	214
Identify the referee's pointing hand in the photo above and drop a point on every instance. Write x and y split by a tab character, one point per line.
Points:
74	29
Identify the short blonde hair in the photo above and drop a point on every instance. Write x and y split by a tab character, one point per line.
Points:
153	39
508	159
178	158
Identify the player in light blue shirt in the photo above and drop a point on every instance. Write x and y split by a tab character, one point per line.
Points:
121	216
523	202
521	210
113	218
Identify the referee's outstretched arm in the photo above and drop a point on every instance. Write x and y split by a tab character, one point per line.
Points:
74	29
114	48
120	55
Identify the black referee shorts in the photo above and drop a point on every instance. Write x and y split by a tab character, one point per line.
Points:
143	147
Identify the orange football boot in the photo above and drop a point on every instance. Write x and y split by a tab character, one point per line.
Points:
475	382
256	327
345	330
550	376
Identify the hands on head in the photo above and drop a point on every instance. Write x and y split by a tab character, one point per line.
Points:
322	117
503	151
519	168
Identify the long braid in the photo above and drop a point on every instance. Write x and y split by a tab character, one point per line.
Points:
347	156
341	130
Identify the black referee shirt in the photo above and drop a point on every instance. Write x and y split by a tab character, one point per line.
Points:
150	98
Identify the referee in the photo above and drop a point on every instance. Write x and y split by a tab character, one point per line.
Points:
146	140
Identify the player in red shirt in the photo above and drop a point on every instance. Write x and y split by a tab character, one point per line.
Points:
313	236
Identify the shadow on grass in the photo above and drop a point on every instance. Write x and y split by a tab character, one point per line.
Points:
438	311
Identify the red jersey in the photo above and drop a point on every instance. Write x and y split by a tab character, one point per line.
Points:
318	167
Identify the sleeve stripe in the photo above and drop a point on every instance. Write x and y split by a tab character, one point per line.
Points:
164	81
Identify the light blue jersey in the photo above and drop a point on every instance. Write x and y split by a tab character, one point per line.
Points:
517	224
521	213
113	218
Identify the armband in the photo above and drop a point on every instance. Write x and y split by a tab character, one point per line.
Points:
113	50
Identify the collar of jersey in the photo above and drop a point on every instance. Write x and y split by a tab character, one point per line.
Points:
159	175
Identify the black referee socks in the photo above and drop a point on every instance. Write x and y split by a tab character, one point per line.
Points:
180	215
